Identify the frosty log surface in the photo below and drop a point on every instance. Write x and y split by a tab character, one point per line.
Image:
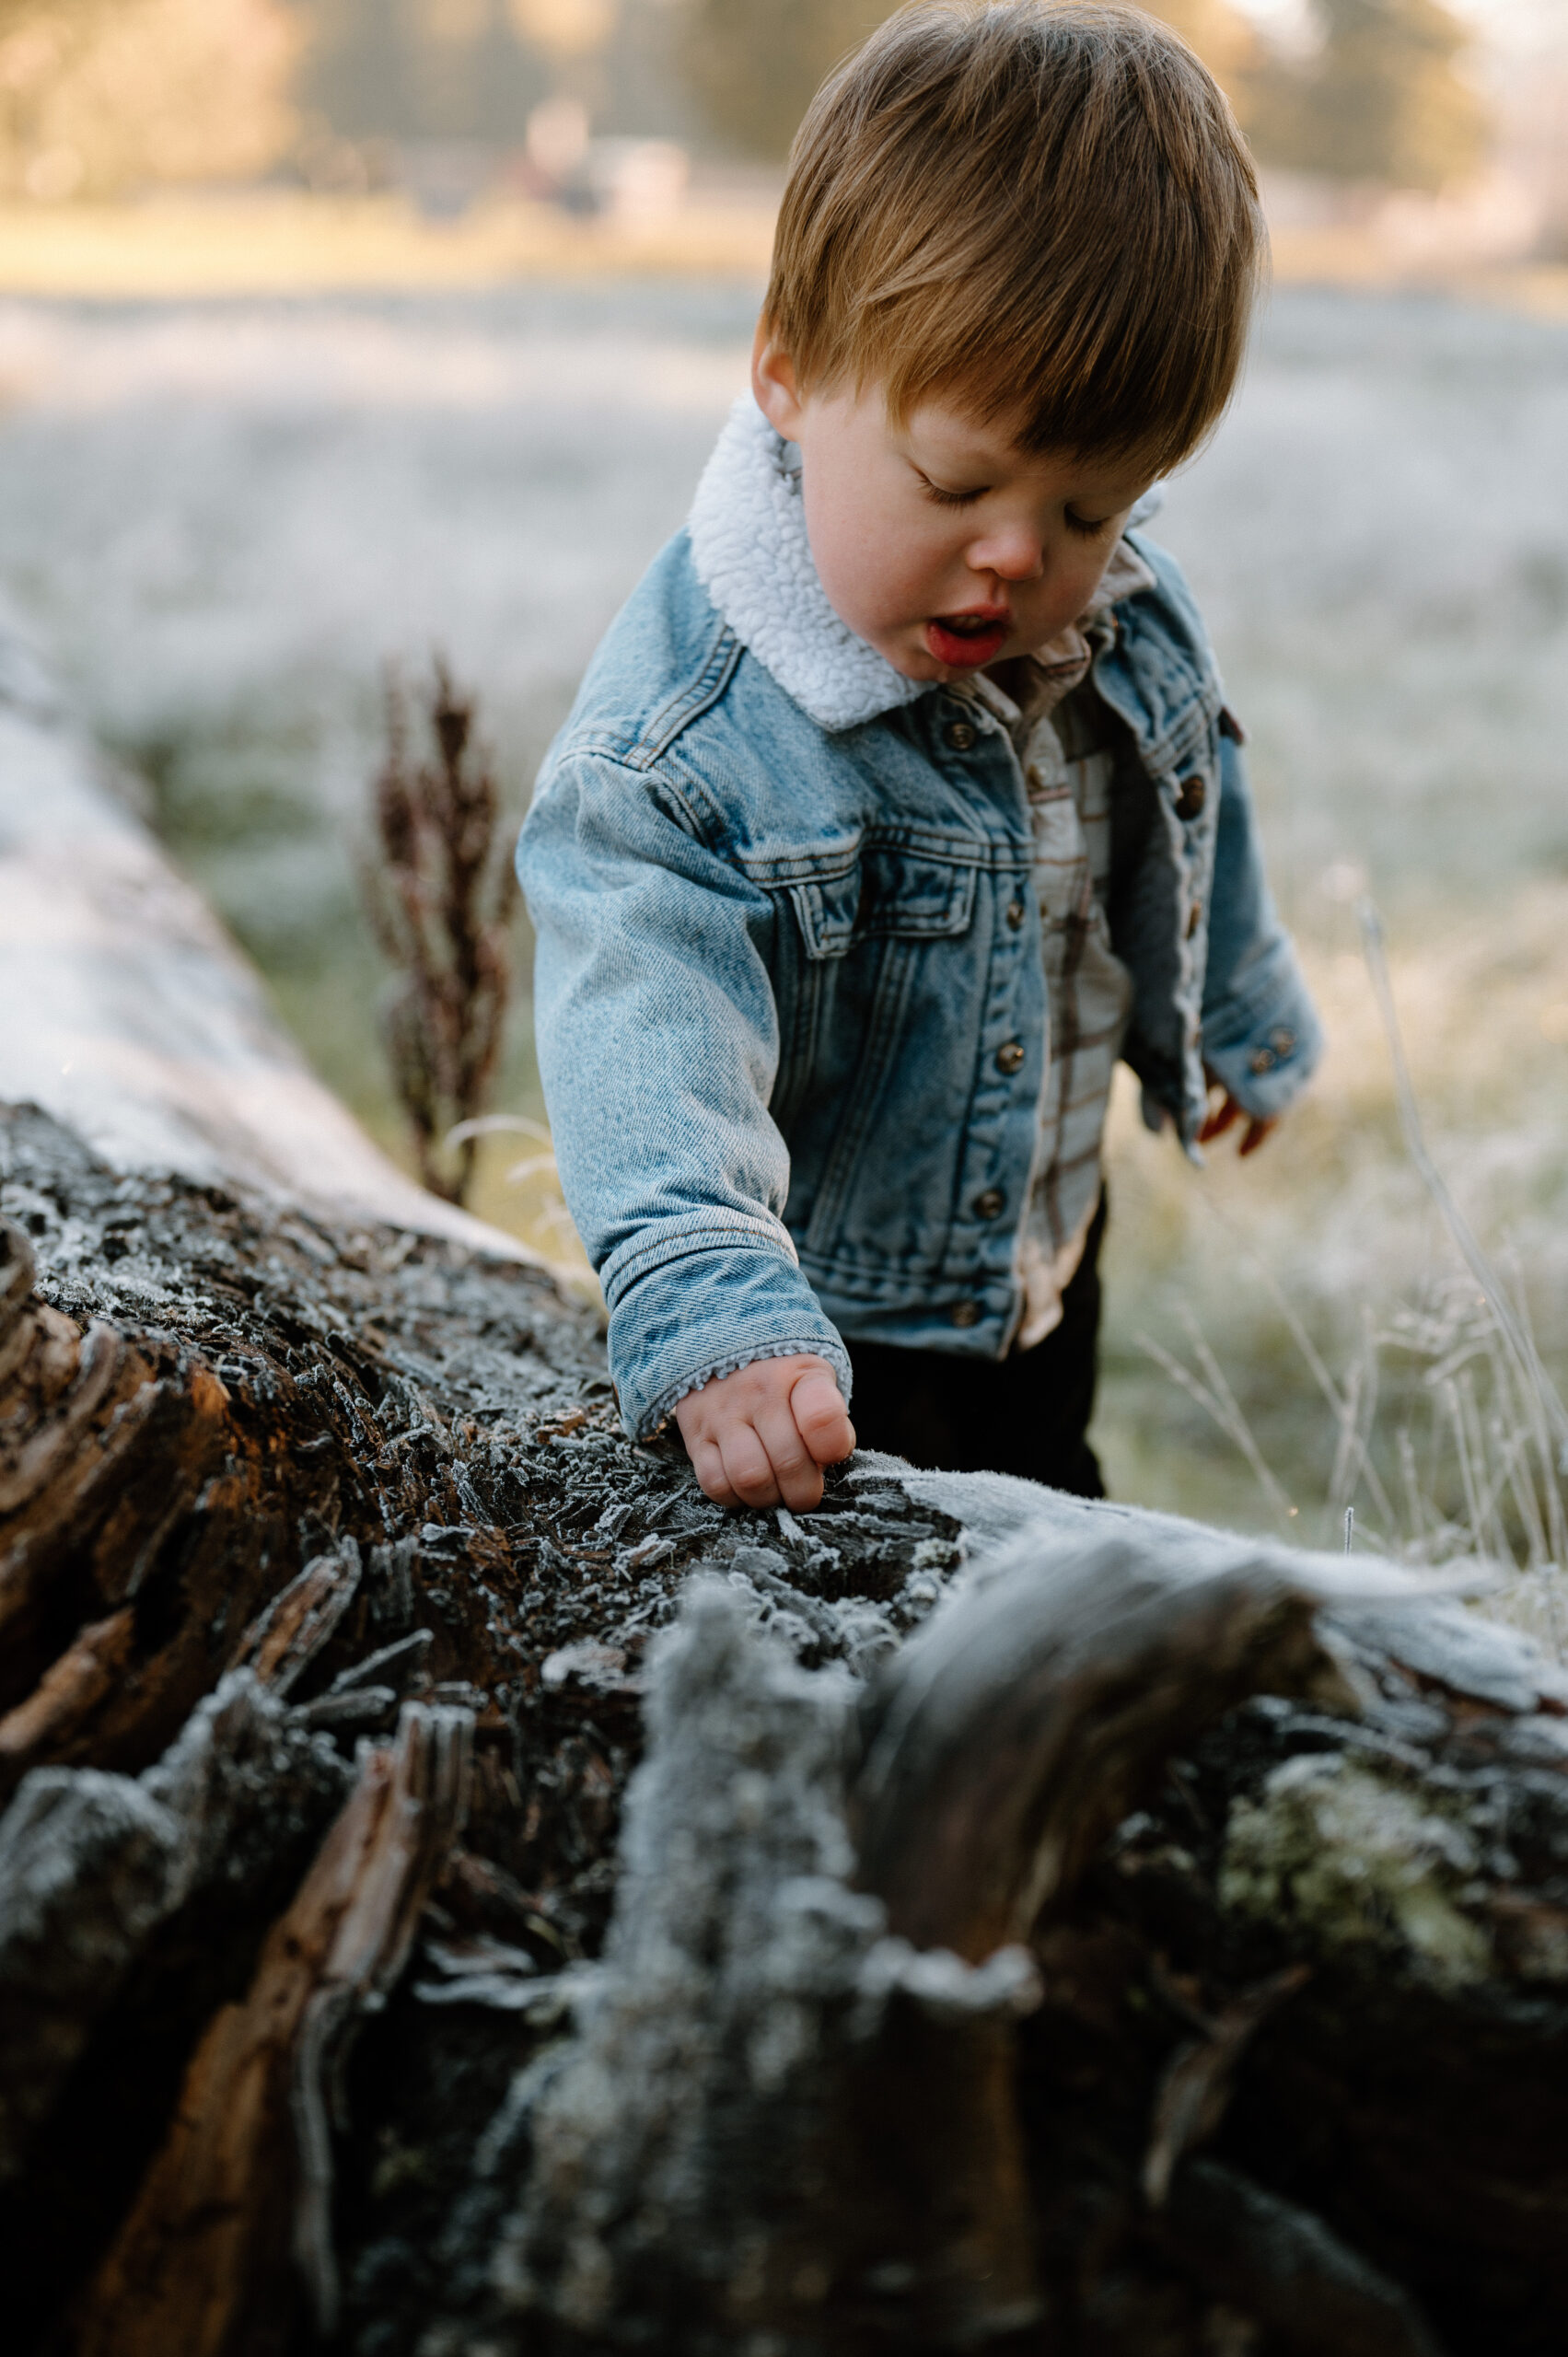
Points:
1035	1925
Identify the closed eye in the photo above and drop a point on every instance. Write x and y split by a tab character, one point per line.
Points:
941	498
1082	526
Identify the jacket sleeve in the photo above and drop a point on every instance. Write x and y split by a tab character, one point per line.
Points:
658	1045
1261	1035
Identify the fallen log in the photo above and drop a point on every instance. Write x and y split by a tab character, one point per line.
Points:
415	1491
1031	1925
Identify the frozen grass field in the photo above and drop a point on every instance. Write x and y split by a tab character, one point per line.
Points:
221	521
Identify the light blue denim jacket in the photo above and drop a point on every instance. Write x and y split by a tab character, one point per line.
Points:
790	1000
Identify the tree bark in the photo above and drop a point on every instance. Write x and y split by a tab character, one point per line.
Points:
1034	1925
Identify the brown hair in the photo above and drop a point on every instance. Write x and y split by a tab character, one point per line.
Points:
1042	208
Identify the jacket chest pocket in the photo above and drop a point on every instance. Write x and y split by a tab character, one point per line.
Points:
889	892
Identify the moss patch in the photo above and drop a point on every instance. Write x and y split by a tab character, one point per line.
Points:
1357	1862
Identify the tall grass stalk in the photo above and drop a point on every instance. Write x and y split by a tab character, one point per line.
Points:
1491	1489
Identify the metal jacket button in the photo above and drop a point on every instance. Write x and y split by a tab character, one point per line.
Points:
1264	1061
1190	798
965	1313
960	735
990	1204
1009	1058
1016	914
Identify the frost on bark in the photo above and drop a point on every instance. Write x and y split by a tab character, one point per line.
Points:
1033	1924
464	1895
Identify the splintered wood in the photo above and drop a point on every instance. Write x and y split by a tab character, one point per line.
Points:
210	2229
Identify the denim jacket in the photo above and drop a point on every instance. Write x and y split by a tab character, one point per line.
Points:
790	1000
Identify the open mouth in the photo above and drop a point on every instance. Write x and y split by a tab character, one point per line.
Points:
964	641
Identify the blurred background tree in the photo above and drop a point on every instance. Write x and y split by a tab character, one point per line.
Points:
409	69
1380	95
753	65
98	97
1382	98
474	69
1227	41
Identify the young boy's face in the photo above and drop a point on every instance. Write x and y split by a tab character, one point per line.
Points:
939	541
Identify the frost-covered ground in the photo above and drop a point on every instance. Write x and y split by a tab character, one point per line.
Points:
222	519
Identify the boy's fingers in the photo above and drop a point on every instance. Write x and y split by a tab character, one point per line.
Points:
1225	1115
748	1468
795	1468
768	1448
708	1465
821	1417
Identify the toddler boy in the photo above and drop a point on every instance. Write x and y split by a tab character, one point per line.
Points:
902	798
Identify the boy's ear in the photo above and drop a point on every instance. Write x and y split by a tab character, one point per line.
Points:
773	383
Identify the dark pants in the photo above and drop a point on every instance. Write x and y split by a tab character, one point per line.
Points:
1027	1414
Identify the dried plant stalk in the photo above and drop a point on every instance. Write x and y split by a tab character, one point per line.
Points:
440	889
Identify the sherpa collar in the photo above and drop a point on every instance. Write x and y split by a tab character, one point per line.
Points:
752	556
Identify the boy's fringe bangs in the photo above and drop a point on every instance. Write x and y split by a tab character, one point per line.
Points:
1044	212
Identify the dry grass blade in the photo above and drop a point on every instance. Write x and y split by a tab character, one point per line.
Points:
440	889
1517	1336
1352	1413
1220	1403
1491	1480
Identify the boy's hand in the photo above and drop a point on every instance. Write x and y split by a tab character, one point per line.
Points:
761	1436
1224	1112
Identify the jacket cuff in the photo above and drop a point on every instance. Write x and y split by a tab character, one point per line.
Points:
687	1321
1266	1041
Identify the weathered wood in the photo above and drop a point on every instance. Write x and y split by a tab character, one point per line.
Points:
855	1899
208	2233
420	1493
94	1867
1016	1732
748	2036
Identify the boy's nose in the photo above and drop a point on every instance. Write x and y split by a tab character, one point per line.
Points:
1012	556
